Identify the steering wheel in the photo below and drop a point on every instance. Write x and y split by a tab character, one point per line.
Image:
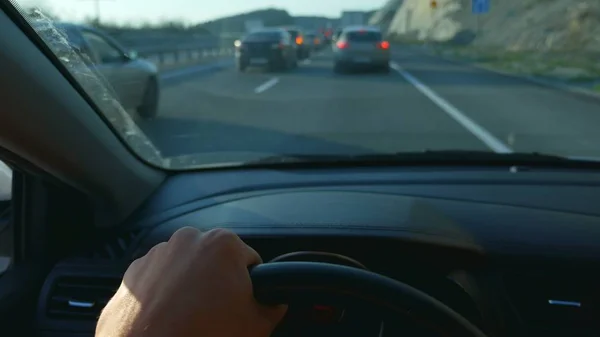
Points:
287	282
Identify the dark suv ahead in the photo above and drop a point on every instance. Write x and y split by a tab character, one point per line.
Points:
302	47
272	48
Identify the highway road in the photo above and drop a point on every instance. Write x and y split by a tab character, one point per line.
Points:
425	103
212	113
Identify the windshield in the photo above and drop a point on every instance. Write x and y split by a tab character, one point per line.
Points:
176	77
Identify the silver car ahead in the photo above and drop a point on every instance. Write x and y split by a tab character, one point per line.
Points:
133	81
361	46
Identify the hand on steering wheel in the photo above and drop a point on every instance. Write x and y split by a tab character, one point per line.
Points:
199	284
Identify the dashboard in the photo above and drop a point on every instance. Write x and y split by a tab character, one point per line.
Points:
516	259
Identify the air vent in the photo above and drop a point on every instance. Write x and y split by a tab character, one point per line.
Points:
80	298
556	300
117	247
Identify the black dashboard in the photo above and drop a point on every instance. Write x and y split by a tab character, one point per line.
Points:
516	253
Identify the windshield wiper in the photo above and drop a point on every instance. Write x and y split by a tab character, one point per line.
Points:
429	157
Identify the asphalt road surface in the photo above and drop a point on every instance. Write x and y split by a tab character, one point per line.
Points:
424	103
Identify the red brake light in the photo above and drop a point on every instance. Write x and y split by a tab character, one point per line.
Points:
384	45
342	44
299	40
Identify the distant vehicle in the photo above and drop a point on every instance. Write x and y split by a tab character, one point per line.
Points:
361	46
314	40
326	34
270	47
134	81
303	51
336	34
350	18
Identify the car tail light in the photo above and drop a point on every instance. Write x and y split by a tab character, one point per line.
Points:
299	40
384	45
342	44
317	41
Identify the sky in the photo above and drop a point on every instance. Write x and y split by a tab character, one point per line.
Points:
190	11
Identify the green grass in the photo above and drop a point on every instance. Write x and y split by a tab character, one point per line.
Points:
535	63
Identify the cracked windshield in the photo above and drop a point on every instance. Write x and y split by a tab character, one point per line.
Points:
190	84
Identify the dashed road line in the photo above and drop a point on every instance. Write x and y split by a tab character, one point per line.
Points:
266	86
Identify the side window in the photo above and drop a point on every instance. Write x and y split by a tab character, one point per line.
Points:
5	216
103	50
5	183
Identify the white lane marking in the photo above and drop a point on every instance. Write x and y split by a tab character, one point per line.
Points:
265	86
307	61
477	130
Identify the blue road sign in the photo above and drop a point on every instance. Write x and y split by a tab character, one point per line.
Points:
480	6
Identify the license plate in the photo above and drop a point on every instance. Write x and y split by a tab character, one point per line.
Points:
259	61
362	60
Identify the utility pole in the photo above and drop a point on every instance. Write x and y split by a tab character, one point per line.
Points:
433	5
97	3
97	11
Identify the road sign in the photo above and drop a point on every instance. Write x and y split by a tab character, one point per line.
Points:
480	6
433	4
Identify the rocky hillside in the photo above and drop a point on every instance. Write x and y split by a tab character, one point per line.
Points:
236	23
270	18
511	24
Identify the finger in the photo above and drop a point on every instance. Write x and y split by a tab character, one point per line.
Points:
231	243
251	256
185	236
154	250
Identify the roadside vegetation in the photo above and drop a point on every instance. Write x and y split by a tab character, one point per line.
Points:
576	68
555	40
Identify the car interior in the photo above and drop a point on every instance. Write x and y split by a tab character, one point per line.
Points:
365	250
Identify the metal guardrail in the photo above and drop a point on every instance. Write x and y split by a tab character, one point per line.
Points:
171	54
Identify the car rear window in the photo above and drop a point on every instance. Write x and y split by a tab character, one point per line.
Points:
293	34
263	36
363	36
